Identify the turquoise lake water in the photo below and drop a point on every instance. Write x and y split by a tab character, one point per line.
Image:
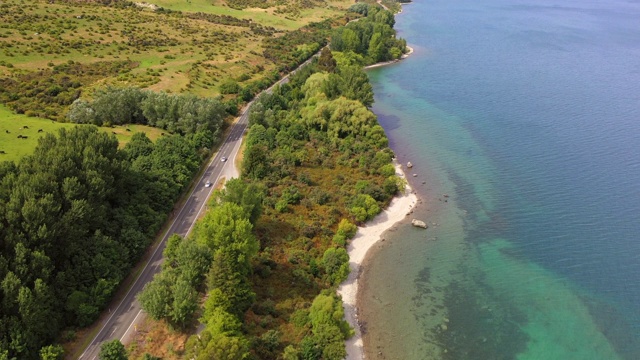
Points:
526	114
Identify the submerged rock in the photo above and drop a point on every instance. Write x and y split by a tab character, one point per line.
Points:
419	223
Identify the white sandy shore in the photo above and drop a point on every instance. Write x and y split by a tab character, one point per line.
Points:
404	56
365	238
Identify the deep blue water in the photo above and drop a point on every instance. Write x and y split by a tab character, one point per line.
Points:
528	114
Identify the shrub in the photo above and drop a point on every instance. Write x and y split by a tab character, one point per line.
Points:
336	264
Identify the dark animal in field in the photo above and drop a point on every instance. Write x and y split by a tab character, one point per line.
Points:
40	130
128	129
26	127
2	152
162	134
114	133
19	136
25	137
7	131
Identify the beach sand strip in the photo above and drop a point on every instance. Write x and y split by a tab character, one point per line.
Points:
365	238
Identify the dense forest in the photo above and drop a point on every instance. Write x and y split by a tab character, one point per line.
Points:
369	40
182	114
74	217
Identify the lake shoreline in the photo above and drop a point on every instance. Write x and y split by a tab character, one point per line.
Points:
391	62
366	237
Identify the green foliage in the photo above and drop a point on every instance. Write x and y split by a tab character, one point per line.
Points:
46	93
185	302
148	356
184	114
304	42
223	245
346	230
336	264
221	347
340	118
364	207
290	353
112	350
360	8
372	37
76	214
355	85
248	195
227	227
230	278
329	328
52	352
156	298
230	86
319	152
218	320
326	62
172	294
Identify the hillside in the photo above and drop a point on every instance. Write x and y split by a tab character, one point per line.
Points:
52	52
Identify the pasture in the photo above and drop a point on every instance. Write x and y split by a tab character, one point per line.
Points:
13	125
28	128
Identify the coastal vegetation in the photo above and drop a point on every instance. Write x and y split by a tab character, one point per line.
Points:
370	39
324	159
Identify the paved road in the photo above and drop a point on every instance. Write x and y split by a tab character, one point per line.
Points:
123	321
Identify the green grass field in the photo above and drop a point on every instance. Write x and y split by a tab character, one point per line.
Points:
176	53
283	19
15	148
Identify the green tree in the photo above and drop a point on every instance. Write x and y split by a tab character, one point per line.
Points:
52	352
112	350
290	353
228	227
364	207
229	86
326	62
346	230
377	50
227	348
246	194
157	296
336	264
219	321
229	277
355	85
185	302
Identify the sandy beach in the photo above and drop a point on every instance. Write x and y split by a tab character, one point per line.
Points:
365	238
404	56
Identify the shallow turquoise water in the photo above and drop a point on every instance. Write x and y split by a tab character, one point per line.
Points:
526	113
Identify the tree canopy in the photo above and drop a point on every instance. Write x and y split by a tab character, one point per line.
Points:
75	216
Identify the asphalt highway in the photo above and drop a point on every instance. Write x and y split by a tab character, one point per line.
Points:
123	320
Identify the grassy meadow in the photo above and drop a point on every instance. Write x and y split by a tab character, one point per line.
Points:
175	51
12	125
